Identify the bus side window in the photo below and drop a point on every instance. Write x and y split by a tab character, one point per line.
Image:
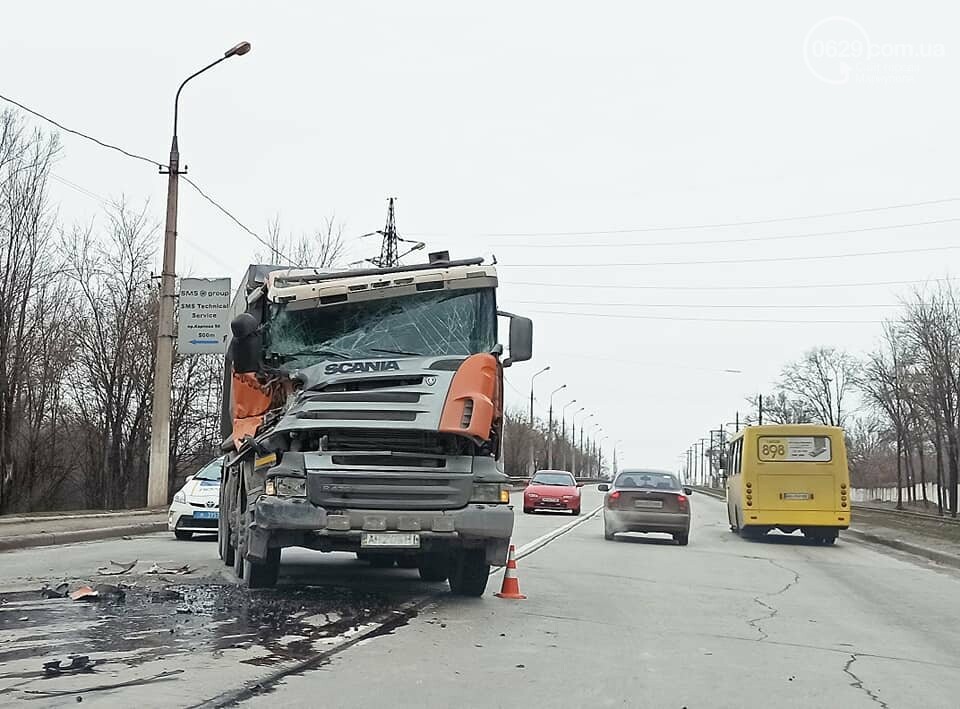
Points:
737	455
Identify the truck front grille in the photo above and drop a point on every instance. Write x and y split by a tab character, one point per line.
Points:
389	489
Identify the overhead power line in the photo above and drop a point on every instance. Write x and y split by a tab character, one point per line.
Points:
796	286
741	240
714	262
80	133
135	156
715	225
694	319
740	306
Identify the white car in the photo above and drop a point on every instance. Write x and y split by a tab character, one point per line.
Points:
195	507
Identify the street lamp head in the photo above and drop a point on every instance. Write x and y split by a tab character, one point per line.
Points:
238	51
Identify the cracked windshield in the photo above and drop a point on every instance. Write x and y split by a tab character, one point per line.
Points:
516	355
446	322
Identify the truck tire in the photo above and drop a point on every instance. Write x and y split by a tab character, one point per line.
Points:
434	567
469	573
224	542
262	575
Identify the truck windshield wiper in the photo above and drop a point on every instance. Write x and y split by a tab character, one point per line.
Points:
396	352
320	352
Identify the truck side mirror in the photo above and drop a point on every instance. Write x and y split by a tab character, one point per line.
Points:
521	340
245	346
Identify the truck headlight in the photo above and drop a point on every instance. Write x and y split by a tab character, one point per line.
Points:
286	487
180	498
490	492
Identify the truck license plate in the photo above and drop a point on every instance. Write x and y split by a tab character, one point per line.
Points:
405	541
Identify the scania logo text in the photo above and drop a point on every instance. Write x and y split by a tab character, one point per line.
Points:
380	365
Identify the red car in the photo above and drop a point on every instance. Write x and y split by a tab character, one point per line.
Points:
552	490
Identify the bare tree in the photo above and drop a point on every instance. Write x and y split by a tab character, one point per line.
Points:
779	408
113	377
325	247
822	382
27	315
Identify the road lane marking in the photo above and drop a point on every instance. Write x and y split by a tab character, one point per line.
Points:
542	541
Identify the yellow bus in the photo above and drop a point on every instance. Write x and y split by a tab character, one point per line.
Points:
788	477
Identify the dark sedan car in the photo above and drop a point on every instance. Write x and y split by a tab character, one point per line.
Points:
647	501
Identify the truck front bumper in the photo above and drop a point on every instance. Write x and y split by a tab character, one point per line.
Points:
282	521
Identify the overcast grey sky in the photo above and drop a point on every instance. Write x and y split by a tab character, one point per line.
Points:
499	125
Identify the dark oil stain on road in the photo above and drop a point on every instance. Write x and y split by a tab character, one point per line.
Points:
148	624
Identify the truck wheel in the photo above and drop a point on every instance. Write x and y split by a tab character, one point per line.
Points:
470	573
262	575
241	548
434	567
224	543
183	536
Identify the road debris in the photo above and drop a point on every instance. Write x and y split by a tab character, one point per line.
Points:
84	593
120	568
157	569
78	663
58	591
162	677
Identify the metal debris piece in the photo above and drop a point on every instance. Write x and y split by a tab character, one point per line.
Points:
84	593
157	569
120	568
78	663
58	591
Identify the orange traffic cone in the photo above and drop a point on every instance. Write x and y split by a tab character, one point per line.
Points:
511	587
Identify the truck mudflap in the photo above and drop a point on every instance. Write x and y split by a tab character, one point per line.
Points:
476	525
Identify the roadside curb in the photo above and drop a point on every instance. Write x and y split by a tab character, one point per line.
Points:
57	516
42	539
900	545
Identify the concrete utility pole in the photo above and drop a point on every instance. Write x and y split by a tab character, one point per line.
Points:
159	477
533	441
583	425
563	430
703	472
550	427
573	439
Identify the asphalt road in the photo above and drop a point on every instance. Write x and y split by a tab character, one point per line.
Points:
210	635
640	622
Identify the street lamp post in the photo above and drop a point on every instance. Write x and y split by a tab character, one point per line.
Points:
600	455
583	425
533	439
550	427
563	429
158	480
573	439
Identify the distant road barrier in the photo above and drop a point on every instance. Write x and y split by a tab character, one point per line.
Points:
860	507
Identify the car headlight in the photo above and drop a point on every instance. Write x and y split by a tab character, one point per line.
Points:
567	498
490	492
533	495
180	498
286	487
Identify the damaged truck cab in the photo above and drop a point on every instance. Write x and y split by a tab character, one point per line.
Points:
363	412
